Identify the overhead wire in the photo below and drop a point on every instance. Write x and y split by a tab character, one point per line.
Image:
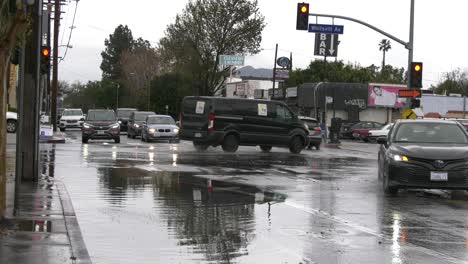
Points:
66	22
71	31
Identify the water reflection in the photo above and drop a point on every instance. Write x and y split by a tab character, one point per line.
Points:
209	217
396	259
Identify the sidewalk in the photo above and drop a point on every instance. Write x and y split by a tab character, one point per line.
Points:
357	146
40	225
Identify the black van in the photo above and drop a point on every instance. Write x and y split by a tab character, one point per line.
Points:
214	121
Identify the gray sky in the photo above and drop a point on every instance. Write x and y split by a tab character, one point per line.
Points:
439	32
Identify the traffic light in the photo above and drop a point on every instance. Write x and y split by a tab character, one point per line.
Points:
302	16
415	103
45	59
416	75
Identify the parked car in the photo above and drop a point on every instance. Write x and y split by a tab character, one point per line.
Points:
374	134
315	133
345	131
160	127
71	118
135	123
101	124
229	122
123	115
361	129
429	154
12	122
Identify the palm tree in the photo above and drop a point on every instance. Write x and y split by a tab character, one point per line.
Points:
384	46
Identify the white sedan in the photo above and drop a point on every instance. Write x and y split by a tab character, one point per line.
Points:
374	134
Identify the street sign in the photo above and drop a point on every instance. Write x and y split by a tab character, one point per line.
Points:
409	114
283	62
409	93
282	74
231	60
327	29
326	45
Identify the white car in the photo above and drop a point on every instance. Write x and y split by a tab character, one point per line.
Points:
12	121
374	134
71	118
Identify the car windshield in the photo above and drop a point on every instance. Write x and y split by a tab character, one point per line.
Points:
124	113
162	120
437	133
101	116
141	116
72	113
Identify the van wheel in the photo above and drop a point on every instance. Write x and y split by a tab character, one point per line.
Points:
199	146
266	149
296	145
230	143
84	140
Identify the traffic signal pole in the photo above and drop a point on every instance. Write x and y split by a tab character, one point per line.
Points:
410	43
55	65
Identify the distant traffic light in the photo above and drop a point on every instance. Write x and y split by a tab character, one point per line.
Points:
416	75
302	16
45	59
415	103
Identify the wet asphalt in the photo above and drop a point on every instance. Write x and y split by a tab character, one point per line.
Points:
142	202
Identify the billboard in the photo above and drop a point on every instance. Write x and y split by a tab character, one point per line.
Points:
386	95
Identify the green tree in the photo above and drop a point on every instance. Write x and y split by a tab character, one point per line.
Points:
118	42
384	46
169	89
205	30
322	71
455	81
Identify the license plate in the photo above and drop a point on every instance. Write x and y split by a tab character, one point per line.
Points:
439	176
198	135
101	132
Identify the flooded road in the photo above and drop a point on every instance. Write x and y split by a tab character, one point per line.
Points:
166	203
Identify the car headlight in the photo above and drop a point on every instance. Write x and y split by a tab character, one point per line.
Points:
399	157
86	125
176	130
152	130
116	125
137	126
120	122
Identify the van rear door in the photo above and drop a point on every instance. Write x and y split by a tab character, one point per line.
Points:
194	117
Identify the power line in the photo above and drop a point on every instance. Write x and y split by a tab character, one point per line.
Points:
65	24
71	31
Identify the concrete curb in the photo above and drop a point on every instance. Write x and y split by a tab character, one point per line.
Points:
57	138
79	252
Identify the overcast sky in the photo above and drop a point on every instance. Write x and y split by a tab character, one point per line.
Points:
440	39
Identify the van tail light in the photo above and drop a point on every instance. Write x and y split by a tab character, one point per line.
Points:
211	119
318	129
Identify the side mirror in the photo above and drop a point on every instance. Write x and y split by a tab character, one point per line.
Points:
382	140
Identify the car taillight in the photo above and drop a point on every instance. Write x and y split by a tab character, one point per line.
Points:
318	129
211	119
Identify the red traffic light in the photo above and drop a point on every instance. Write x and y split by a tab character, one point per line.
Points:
304	9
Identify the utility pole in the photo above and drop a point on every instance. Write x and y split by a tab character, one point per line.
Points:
27	151
274	72
55	63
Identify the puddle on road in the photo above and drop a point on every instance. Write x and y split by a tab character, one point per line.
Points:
170	215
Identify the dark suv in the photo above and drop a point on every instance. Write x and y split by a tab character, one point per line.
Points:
135	123
123	115
214	121
100	124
